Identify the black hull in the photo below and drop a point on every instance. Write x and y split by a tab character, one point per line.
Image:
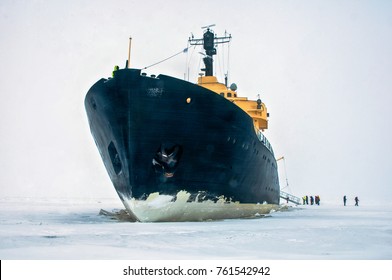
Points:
166	135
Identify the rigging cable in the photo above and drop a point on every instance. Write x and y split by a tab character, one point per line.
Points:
223	61
186	73
228	60
183	51
285	172
188	60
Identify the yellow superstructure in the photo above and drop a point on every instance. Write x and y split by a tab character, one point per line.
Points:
255	109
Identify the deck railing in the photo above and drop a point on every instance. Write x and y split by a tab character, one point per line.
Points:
292	198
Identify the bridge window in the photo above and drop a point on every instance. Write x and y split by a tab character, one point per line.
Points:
229	94
222	93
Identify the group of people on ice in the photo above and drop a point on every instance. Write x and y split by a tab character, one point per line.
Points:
316	200
356	199
313	200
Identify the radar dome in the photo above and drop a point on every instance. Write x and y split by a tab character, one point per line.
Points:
233	87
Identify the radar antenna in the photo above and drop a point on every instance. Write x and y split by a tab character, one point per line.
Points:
208	26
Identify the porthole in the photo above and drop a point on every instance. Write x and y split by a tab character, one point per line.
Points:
188	100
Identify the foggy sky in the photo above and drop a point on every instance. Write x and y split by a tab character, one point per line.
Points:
323	68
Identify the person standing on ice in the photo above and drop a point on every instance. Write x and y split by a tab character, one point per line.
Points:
311	200
356	201
344	200
317	200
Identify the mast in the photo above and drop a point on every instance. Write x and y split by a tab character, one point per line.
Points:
129	54
209	41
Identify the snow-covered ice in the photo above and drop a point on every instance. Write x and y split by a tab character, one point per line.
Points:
73	229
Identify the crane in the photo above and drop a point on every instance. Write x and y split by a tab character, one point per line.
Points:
286	195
